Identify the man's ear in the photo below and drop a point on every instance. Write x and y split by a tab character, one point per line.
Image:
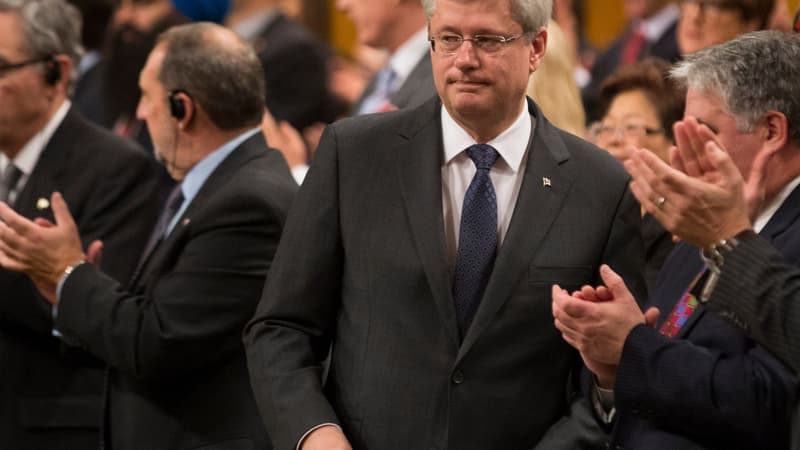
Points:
776	131
538	49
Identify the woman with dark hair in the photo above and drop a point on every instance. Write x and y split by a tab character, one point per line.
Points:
640	103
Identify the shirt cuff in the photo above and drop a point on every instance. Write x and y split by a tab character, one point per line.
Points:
59	288
603	402
303	438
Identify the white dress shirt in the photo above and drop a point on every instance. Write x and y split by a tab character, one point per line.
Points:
506	174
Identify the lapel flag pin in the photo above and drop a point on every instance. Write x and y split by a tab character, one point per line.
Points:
546	182
185	221
42	203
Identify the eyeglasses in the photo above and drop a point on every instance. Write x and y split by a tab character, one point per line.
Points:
449	43
715	5
628	130
6	68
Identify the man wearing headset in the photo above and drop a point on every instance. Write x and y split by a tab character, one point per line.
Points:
49	397
172	336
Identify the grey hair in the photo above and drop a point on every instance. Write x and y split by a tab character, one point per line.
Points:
531	14
50	28
226	81
752	74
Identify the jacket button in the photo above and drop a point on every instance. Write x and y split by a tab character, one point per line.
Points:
458	377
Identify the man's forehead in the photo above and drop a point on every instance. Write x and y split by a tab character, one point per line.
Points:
11	37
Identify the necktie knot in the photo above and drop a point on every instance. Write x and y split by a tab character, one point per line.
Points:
8	182
483	155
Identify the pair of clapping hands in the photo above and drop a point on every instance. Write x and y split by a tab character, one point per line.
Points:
700	197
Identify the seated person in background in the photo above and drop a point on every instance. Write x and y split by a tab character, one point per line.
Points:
640	104
704	23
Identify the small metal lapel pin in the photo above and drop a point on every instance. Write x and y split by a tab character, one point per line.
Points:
42	203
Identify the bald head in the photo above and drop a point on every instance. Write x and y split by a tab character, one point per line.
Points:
217	69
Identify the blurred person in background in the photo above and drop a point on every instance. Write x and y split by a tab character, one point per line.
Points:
406	80
134	28
96	16
295	63
553	87
203	10
651	32
704	23
641	103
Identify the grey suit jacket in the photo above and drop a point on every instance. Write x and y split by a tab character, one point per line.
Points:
362	267
416	89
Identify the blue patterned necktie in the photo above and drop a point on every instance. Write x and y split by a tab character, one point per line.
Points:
477	241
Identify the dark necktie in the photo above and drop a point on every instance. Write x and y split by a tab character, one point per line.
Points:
171	207
477	241
11	176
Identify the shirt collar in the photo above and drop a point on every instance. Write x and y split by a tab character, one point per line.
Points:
406	57
29	155
198	174
776	203
511	144
654	27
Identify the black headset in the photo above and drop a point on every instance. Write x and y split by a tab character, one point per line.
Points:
176	106
52	73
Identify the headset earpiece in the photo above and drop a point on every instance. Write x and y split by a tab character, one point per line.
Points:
52	72
176	106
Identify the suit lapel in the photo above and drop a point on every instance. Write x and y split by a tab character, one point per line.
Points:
253	147
786	215
48	174
420	178
420	79
536	207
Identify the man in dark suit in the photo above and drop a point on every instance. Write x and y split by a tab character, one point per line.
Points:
406	80
172	336
295	63
438	321
697	381
49	396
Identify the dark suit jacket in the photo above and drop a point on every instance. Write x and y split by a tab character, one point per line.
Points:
363	267
178	378
48	398
711	386
417	88
657	247
296	74
665	47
